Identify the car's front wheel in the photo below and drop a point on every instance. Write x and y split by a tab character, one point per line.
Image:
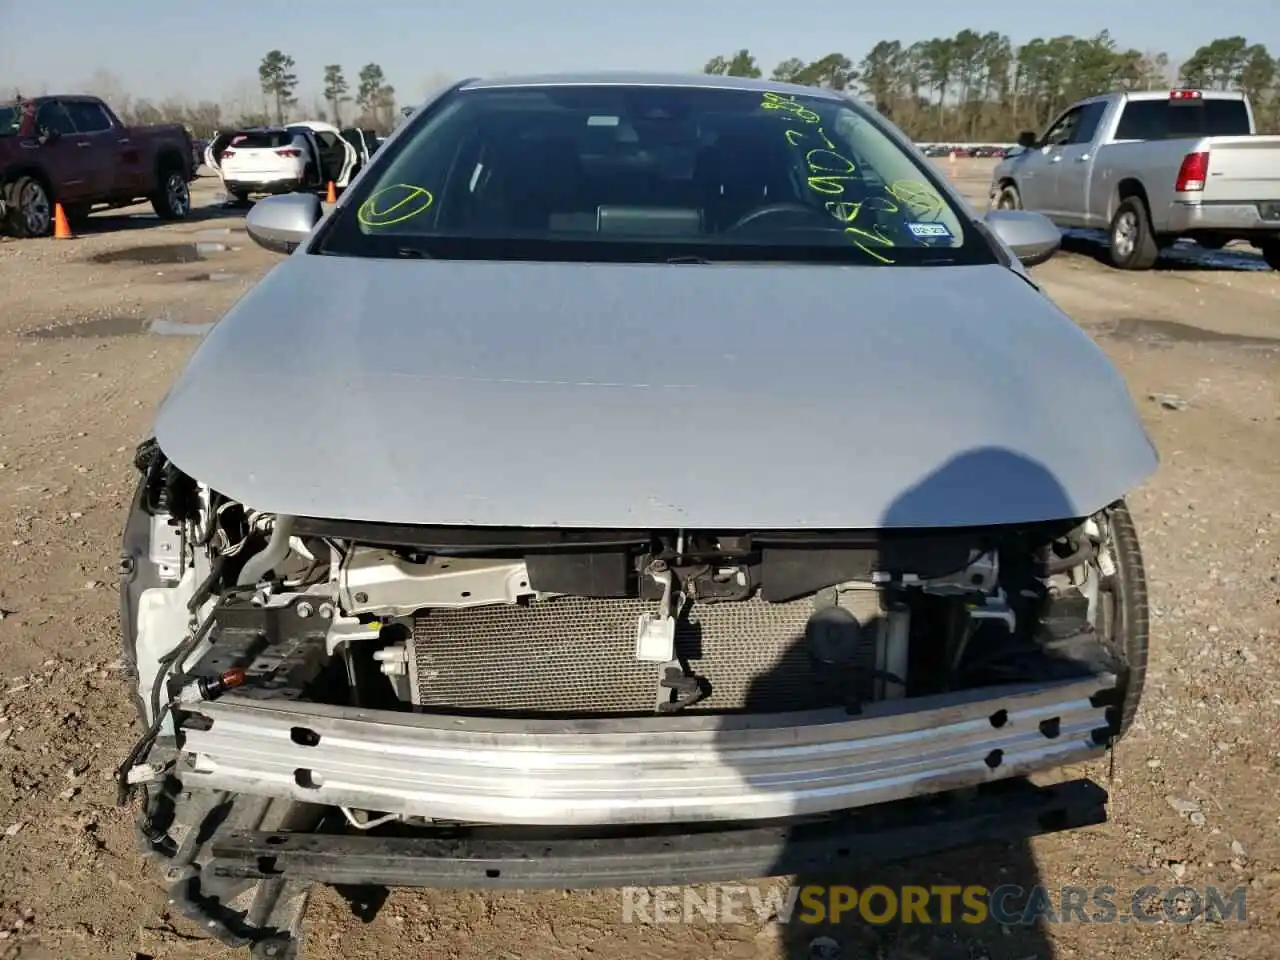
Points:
1008	198
1123	618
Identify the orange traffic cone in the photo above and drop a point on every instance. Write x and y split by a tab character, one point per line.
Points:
61	228
332	195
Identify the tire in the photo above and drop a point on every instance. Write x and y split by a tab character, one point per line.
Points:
1125	620
240	196
1271	253
28	208
1133	245
173	199
1008	198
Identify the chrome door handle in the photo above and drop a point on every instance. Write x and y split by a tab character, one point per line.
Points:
1082	158
84	143
1056	158
124	140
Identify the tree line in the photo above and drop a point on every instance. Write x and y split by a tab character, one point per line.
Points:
975	86
274	100
979	86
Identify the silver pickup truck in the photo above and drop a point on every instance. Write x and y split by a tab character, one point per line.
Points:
1151	168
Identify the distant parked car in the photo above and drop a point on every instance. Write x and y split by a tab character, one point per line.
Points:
1151	167
198	147
270	160
75	151
365	142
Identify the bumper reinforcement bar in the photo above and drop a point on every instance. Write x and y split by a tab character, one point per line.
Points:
649	771
496	858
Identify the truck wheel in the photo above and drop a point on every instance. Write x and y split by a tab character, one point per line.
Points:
1008	198
1271	253
1133	246
29	211
173	200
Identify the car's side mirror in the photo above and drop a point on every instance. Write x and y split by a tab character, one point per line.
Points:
1032	237
280	224
1027	139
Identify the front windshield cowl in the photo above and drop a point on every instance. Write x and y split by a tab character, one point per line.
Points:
652	173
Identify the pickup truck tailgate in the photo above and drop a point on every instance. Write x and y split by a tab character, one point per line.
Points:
1243	169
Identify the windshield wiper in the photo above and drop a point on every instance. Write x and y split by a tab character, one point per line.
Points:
414	253
696	260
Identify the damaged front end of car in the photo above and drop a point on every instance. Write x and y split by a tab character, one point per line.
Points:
355	703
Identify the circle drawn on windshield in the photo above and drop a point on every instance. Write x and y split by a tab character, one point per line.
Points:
394	204
917	196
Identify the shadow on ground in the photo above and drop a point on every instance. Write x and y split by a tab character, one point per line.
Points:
1185	256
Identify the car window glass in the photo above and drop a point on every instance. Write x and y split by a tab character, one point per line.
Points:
1143	120
52	116
1061	131
262	139
1087	126
1225	118
729	167
88	117
1180	120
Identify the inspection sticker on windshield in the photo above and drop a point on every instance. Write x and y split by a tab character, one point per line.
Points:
929	230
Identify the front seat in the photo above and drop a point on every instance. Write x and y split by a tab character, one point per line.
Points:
742	171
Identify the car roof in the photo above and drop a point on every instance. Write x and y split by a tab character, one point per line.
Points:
702	81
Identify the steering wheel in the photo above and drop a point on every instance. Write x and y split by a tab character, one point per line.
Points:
773	210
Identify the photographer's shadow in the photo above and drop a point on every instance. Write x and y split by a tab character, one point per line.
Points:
900	849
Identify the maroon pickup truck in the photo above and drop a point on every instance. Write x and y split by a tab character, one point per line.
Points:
73	150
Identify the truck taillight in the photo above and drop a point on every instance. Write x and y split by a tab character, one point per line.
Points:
288	152
228	153
1193	173
1185	94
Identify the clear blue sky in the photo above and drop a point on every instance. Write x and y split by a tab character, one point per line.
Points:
207	48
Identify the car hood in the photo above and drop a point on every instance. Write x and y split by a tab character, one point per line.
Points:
653	396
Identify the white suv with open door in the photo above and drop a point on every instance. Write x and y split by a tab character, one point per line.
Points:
270	160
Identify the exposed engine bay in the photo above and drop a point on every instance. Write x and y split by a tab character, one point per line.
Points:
309	685
588	623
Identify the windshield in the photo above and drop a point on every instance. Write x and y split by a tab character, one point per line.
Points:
261	139
651	172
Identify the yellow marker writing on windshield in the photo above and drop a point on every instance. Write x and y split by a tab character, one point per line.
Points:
920	198
829	171
394	204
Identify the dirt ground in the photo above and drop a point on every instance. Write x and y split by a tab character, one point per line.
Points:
1194	787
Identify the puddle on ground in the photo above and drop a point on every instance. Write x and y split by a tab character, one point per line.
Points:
168	253
120	327
1170	331
216	276
165	254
